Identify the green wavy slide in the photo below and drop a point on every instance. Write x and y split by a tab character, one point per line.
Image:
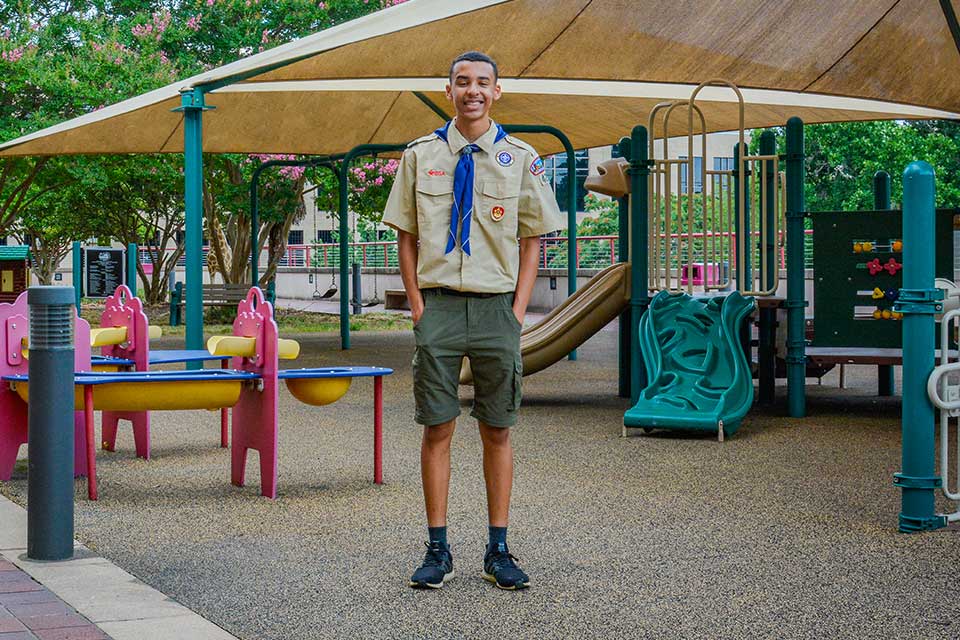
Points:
699	376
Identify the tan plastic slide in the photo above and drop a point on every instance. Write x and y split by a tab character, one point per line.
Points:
570	324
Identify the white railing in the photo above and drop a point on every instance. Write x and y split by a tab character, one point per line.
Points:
943	388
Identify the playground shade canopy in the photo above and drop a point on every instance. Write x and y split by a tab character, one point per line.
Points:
592	68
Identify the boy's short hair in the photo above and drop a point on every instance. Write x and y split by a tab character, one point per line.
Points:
475	56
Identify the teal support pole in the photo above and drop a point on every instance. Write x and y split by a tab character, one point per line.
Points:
132	258
77	275
744	237
192	106
744	272
255	225
623	255
766	351
796	294
881	202
918	301
639	294
343	230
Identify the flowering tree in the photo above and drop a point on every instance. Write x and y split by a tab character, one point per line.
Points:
60	59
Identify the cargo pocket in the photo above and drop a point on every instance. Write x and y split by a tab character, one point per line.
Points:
517	385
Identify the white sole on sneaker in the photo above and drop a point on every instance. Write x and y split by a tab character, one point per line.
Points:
490	578
428	585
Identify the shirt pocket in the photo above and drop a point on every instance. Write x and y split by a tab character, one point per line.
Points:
498	208
434	203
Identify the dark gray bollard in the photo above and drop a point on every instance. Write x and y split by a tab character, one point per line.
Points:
50	437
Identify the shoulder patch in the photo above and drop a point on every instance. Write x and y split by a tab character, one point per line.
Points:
426	138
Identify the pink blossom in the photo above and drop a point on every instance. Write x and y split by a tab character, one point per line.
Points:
321	5
210	3
194	23
13	55
378	181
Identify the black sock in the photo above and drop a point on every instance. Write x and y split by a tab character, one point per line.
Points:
498	535
438	534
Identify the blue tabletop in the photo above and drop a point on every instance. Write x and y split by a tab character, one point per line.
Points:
99	361
167	356
151	376
334	372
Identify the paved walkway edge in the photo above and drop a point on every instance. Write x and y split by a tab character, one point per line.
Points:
120	604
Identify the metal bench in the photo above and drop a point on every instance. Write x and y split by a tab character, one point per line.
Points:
214	295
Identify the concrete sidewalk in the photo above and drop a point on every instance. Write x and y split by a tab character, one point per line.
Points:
85	598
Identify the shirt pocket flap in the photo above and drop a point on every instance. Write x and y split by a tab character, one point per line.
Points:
500	190
435	187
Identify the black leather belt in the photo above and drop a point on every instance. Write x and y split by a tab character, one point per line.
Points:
444	291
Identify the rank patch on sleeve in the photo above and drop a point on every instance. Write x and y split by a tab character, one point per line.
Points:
536	167
505	158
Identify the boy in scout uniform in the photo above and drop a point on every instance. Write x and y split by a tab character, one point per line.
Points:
469	204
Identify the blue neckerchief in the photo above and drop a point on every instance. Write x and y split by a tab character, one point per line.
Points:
463	178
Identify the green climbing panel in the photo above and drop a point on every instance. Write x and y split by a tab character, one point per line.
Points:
847	293
699	374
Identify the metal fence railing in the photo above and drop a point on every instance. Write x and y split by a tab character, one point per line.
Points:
593	252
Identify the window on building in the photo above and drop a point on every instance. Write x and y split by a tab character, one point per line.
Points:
697	175
722	164
295	236
556	172
5	241
325	236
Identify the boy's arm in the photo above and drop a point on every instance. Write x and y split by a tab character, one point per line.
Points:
400	213
538	215
529	263
407	256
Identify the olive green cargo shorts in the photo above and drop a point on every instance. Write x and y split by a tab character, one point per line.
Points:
486	331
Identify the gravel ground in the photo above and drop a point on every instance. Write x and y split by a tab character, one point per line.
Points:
787	530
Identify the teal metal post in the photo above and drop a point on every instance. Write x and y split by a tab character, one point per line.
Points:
623	255
742	232
343	230
766	351
132	259
77	274
881	202
192	106
744	272
639	294
918	301
796	295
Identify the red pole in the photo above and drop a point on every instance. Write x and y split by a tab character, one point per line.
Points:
224	413
378	430
91	453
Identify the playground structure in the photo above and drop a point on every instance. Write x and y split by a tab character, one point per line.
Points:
250	388
848	57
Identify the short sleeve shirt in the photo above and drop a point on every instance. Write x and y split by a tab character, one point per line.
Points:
512	199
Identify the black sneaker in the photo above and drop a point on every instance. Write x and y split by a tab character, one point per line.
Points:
500	568
436	569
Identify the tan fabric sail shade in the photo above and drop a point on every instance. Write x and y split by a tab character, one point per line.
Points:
592	68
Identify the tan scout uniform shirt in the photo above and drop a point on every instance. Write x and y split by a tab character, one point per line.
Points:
512	199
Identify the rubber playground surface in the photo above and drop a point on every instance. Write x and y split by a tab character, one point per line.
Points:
786	530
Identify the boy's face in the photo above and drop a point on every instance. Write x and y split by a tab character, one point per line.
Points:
473	90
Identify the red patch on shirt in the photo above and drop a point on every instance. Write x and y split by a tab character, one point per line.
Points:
436	172
497	214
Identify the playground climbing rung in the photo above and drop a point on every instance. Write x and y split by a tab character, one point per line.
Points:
943	388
